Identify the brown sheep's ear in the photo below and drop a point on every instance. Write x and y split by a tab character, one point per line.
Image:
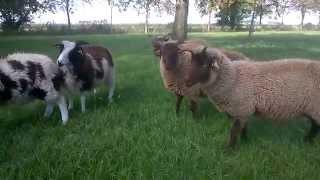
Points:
156	43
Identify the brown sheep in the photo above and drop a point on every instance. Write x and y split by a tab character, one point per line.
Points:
173	66
279	89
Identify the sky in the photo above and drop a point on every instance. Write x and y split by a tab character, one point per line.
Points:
99	11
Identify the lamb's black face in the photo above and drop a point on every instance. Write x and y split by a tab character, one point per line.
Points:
70	53
65	48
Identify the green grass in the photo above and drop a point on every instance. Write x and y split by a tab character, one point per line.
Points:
139	136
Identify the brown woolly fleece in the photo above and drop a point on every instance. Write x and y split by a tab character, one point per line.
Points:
278	90
174	65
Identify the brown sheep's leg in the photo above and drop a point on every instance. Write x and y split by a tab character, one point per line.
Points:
244	134
193	108
314	130
235	132
178	103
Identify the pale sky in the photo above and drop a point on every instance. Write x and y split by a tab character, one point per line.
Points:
99	10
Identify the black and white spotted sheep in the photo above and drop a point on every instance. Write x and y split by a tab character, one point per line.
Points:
25	77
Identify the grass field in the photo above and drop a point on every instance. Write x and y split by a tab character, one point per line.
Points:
139	136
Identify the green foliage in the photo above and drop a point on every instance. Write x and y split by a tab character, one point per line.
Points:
233	12
14	13
139	136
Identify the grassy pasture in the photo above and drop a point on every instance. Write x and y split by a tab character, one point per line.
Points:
139	136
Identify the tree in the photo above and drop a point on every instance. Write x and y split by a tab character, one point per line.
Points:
205	8
281	8
254	7
264	7
145	6
14	13
67	6
110	3
304	6
180	27
232	12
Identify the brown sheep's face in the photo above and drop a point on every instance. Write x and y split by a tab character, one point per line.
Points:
157	43
200	70
169	55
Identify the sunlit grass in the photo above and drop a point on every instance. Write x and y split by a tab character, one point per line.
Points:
139	135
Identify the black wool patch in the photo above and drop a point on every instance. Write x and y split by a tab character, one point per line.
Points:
58	80
9	84
16	65
38	93
23	85
35	69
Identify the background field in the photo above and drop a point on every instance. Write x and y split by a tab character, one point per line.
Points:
139	135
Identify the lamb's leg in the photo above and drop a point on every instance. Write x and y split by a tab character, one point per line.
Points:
83	103
314	130
70	105
193	108
62	103
178	103
235	132
49	110
112	86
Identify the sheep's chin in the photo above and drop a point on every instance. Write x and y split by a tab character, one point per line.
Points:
211	80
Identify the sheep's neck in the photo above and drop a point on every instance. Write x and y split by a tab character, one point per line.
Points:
219	88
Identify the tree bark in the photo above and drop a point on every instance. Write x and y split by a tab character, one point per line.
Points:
146	24
68	13
251	30
181	20
261	14
319	20
209	21
111	15
303	14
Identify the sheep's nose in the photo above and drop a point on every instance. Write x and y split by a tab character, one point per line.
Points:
60	64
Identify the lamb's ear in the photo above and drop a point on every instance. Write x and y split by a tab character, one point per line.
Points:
156	43
80	50
58	45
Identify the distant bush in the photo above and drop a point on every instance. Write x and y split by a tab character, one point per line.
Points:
101	27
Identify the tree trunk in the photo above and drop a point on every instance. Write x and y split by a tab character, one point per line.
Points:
111	16
251	30
209	21
282	19
261	15
319	20
181	20
68	13
146	24
303	14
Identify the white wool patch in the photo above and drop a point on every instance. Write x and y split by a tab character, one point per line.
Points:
63	58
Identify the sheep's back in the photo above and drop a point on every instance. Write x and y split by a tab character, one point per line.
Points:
282	89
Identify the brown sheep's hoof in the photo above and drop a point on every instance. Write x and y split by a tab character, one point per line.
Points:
230	149
308	140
